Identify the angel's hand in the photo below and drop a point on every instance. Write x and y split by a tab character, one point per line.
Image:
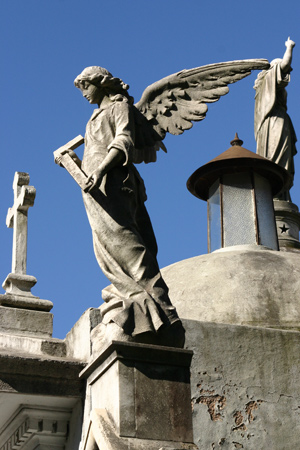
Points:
289	43
95	178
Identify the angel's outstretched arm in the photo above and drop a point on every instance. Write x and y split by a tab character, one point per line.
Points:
287	57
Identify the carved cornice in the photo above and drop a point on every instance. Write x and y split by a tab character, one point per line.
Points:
49	424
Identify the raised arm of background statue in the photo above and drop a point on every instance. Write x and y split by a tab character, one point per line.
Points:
114	158
287	57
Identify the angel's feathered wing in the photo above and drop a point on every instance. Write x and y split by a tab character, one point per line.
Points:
173	103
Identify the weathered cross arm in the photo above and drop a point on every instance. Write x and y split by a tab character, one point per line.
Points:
65	157
24	201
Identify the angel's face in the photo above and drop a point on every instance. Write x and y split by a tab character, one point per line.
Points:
93	94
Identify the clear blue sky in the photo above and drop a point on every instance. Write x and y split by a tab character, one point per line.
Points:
45	44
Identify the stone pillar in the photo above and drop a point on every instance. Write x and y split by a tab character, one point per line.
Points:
288	223
138	397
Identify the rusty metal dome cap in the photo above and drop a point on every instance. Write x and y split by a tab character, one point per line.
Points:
236	159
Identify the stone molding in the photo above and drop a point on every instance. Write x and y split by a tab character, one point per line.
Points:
50	424
41	375
25	302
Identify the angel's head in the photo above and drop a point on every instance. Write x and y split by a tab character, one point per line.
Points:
96	82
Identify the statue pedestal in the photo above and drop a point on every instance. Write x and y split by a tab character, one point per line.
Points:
138	397
19	284
27	322
20	311
288	224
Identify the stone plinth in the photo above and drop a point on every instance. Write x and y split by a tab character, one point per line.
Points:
19	284
25	321
25	314
138	394
21	312
25	302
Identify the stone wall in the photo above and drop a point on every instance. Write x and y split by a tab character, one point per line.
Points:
245	386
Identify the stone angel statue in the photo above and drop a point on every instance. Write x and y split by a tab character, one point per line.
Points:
119	134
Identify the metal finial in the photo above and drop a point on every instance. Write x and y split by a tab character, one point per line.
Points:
236	141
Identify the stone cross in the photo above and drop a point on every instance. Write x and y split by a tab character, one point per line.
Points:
20	310
24	196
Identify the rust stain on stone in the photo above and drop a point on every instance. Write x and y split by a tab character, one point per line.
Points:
239	421
214	403
239	418
206	391
250	407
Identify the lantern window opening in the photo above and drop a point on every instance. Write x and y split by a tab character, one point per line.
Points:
265	212
215	217
258	239
222	214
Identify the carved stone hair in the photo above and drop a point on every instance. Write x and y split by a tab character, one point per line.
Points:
103	79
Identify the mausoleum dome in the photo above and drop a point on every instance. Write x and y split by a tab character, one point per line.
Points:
242	285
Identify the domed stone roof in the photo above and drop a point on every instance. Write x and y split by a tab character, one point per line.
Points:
243	285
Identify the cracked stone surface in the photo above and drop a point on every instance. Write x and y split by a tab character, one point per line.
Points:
245	386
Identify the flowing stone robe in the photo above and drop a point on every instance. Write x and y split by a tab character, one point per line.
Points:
273	128
123	238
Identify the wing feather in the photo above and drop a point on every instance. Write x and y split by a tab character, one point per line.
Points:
175	102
